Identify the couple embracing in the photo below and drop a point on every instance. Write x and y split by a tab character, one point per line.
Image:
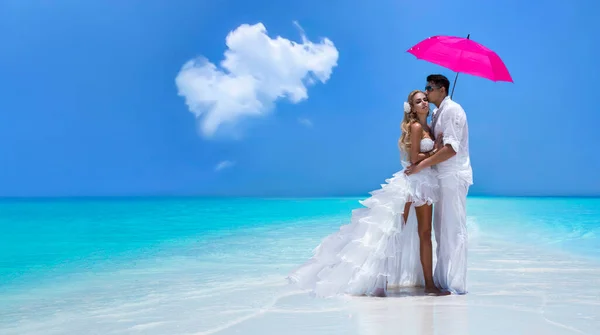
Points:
388	242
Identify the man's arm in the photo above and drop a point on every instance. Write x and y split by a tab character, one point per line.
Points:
439	156
420	157
452	130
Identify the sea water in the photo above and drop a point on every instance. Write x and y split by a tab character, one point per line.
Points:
209	265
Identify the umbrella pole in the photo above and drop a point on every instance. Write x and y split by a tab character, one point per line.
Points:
454	85
455	78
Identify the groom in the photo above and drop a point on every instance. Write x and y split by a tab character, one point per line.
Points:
453	165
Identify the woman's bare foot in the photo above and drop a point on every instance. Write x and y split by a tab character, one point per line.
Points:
380	292
434	291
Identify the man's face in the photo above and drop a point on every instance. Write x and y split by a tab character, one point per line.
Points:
434	93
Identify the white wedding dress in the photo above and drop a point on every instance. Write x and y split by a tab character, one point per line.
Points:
375	248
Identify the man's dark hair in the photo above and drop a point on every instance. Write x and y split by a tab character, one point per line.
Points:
439	80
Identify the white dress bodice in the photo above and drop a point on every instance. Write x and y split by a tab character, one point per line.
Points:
426	145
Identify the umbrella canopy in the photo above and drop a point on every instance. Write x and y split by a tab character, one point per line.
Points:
462	55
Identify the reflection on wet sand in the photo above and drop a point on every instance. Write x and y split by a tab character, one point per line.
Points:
409	311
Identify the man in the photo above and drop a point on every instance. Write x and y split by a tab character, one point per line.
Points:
453	165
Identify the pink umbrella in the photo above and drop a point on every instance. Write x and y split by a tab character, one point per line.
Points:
461	54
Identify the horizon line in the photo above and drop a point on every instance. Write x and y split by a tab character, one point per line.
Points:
217	196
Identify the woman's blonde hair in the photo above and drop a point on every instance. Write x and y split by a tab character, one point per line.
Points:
410	117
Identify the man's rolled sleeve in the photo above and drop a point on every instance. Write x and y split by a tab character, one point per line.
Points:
454	124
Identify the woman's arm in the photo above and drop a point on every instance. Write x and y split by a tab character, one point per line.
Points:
416	133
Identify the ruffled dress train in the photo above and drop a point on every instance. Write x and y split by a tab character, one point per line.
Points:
377	250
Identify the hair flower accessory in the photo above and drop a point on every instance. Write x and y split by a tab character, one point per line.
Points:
406	107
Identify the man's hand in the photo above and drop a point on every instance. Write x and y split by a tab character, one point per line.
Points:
414	168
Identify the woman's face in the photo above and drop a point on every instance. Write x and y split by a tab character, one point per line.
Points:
420	104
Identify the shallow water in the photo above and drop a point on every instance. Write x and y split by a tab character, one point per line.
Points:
217	266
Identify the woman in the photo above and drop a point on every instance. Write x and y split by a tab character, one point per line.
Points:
380	247
416	143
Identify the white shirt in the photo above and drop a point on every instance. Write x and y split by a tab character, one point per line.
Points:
451	120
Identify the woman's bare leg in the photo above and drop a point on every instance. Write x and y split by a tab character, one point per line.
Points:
424	218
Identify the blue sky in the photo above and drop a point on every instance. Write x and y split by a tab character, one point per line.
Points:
90	106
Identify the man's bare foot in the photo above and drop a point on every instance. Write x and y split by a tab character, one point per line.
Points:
434	291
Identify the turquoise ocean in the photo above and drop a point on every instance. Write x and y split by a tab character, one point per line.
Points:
152	265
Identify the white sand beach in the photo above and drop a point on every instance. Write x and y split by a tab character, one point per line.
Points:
512	290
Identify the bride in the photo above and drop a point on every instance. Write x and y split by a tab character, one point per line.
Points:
388	242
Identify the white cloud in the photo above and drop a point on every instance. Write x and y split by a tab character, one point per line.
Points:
256	71
224	165
306	122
